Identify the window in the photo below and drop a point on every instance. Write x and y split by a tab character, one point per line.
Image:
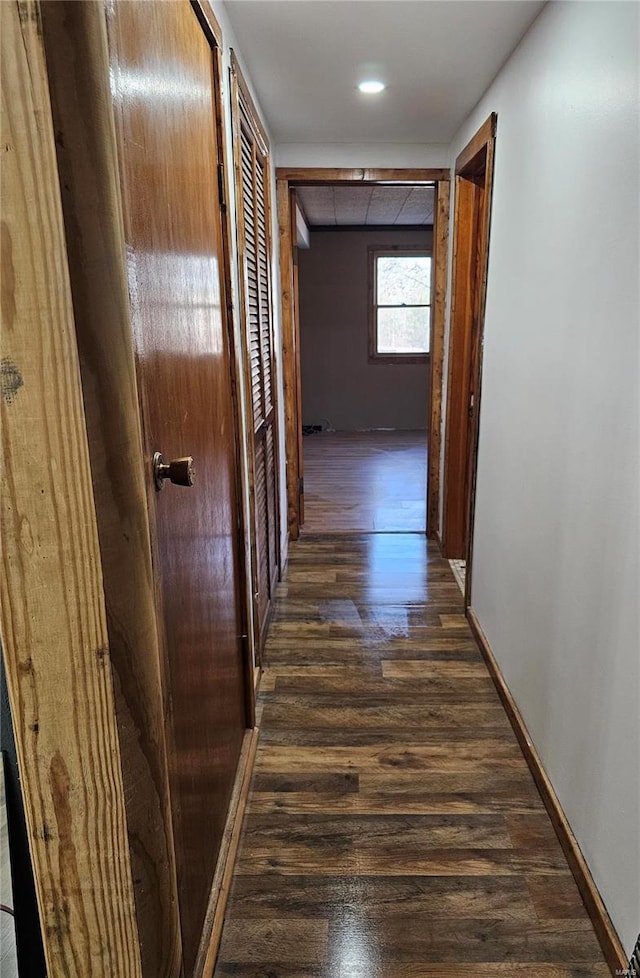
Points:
400	289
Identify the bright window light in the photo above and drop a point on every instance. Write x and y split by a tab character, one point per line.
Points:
400	317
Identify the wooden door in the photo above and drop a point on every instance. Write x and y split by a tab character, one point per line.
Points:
165	110
252	169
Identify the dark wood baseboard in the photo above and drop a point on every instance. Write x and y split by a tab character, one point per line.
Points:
603	926
212	930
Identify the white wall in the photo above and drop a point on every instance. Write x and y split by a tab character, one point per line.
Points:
434	155
555	576
229	41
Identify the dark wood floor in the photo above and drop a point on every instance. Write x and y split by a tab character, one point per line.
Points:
365	481
393	828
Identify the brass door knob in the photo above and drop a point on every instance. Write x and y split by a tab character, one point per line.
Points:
180	471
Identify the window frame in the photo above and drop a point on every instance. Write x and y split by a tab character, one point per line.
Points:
397	251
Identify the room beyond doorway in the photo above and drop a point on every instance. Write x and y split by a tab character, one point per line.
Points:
289	181
366	482
364	274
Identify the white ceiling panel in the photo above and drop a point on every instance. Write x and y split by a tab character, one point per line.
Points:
360	206
386	204
351	204
418	207
317	205
437	57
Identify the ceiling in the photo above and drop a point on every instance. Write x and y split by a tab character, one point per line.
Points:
437	57
356	205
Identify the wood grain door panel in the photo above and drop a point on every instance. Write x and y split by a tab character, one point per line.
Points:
164	96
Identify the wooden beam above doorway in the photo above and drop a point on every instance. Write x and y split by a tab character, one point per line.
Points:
301	176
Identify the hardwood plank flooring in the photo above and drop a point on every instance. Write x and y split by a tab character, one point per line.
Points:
365	481
393	828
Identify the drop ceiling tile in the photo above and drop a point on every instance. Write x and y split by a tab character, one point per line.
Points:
317	204
366	205
418	207
386	204
351	204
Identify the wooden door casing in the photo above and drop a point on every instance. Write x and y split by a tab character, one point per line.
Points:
287	179
438	322
253	210
482	179
459	378
166	115
473	186
297	392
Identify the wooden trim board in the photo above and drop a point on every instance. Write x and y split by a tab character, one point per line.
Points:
438	315
473	187
242	106
243	475
260	131
305	175
290	356
603	926
458	375
476	144
53	619
214	920
204	12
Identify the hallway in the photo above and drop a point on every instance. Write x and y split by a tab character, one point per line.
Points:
393	828
365	482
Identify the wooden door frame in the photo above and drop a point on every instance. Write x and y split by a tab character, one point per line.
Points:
471	232
59	669
287	179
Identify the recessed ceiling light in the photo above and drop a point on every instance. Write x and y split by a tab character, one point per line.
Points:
371	87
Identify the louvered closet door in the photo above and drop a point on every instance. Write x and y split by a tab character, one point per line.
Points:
259	345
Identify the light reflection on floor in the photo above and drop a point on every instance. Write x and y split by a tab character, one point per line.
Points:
459	568
353	951
369	482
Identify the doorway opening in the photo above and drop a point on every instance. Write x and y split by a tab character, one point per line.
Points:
472	212
363	265
364	287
